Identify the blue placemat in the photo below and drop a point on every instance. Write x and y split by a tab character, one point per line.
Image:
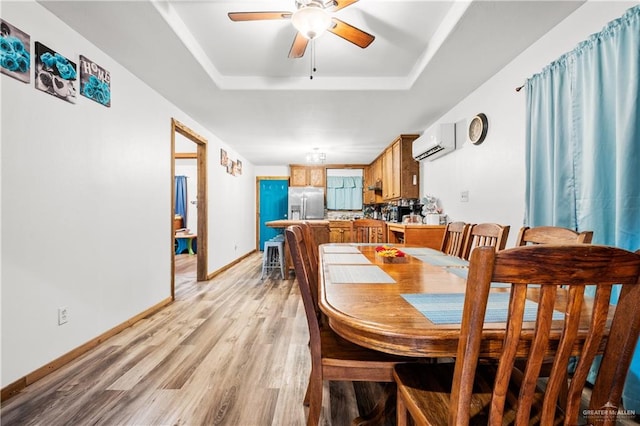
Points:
446	308
439	260
464	272
420	251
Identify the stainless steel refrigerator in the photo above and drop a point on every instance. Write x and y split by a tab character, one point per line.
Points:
306	202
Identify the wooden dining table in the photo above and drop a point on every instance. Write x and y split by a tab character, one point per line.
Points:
414	308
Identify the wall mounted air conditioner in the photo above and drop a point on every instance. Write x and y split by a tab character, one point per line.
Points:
436	141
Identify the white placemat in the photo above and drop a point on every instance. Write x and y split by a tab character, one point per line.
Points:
363	274
340	249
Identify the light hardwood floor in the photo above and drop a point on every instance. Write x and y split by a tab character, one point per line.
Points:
229	351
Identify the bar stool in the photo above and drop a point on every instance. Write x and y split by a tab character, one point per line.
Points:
273	257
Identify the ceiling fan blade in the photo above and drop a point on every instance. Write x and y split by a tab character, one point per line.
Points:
258	16
299	46
341	4
351	33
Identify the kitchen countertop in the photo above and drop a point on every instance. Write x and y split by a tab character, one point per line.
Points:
283	223
398	225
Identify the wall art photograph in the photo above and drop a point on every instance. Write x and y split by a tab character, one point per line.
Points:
224	158
55	74
95	82
239	167
15	52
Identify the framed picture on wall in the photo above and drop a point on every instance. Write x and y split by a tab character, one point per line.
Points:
15	52
95	82
55	74
230	167
224	158
239	167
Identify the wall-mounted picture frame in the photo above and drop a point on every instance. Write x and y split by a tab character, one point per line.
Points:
95	82
230	167
55	74
224	158
239	167
15	52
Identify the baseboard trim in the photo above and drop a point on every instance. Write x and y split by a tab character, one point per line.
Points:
15	387
229	265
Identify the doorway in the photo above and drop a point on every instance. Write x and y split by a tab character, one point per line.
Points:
272	203
200	156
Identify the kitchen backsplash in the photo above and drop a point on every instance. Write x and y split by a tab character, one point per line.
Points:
343	215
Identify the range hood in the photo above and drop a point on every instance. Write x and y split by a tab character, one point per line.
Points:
436	141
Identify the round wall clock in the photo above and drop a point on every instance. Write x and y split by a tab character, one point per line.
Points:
478	129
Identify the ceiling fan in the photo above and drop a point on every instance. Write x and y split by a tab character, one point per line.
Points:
312	18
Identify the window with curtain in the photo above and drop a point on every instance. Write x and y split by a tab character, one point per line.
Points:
583	146
344	193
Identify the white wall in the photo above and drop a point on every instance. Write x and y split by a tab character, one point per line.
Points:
86	204
278	171
493	172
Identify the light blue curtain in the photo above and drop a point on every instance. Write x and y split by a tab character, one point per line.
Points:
548	157
181	198
344	193
583	146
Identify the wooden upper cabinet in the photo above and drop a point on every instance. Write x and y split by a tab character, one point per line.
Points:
401	173
387	174
317	176
307	176
372	191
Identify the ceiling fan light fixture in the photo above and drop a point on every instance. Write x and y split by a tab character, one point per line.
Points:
311	20
316	157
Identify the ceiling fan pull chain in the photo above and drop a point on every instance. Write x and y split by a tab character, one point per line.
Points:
313	59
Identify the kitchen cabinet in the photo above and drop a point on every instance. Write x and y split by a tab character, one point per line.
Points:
307	176
389	189
339	231
400	172
372	191
415	234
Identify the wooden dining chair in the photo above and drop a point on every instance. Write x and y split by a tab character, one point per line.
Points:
311	244
332	357
454	238
485	234
470	391
551	235
368	231
312	247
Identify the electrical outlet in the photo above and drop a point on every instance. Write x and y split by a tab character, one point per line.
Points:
63	315
464	196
